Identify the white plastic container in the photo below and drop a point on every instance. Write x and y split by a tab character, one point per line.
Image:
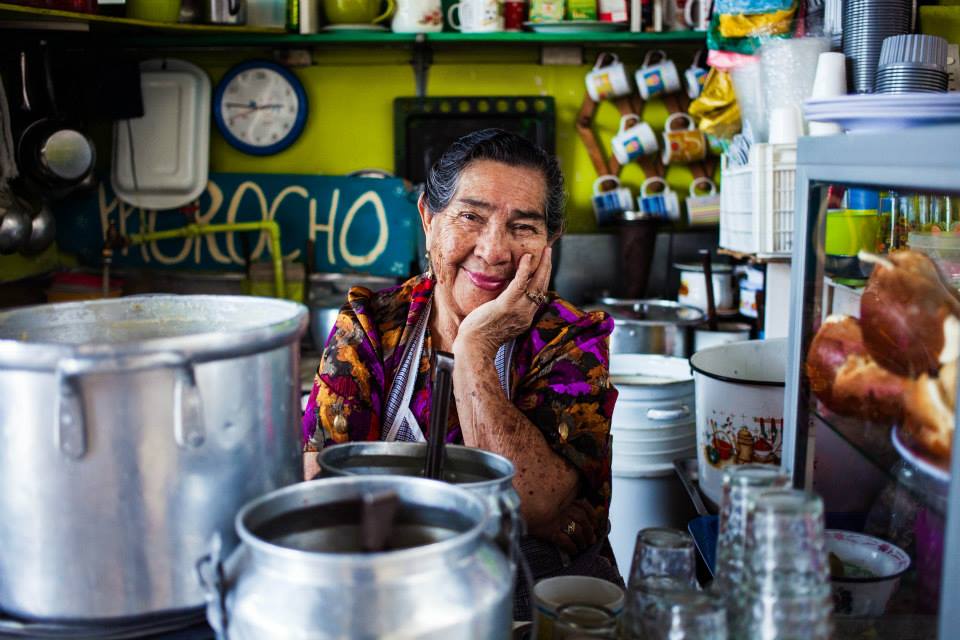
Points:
757	201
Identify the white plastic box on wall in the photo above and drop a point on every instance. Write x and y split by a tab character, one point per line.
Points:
757	201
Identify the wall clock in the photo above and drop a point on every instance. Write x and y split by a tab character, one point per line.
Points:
260	107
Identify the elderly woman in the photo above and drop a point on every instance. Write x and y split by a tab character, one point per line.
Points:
531	370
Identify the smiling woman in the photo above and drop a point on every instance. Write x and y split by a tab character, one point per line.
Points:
531	375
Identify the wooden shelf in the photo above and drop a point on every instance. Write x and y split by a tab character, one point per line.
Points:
142	33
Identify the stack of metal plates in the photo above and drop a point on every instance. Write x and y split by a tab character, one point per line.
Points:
866	24
912	64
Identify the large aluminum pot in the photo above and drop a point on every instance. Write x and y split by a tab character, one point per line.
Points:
303	574
660	327
132	430
480	472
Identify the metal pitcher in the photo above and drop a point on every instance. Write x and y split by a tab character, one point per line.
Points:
303	573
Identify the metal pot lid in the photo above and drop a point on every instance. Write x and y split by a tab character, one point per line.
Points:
648	370
717	267
67	154
650	312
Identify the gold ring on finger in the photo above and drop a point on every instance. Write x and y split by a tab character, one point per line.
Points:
571	528
536	297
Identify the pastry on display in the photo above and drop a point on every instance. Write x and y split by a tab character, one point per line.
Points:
897	364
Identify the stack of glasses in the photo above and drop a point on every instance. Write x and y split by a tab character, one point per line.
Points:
663	597
866	24
912	64
741	485
786	588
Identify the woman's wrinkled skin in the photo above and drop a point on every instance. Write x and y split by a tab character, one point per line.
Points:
489	247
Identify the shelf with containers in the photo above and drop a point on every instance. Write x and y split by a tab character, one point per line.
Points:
920	161
124	31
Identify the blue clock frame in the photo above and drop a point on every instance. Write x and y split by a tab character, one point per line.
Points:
298	124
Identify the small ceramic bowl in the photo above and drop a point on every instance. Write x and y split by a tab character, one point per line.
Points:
872	572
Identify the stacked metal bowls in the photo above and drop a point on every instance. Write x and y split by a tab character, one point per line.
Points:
912	64
866	24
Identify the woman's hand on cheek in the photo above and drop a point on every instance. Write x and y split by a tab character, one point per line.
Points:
509	314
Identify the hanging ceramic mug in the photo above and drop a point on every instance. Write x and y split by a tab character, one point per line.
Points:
608	79
703	208
695	76
477	16
664	204
657	75
697	14
681	146
417	16
633	140
608	203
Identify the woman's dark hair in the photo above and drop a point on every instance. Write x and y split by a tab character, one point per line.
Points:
500	146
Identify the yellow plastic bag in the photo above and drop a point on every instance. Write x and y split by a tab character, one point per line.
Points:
761	24
716	110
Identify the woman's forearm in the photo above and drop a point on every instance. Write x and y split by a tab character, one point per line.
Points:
545	481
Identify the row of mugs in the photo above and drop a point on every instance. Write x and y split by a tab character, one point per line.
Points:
662	204
635	139
657	76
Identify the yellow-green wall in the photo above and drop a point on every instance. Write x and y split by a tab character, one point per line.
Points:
350	122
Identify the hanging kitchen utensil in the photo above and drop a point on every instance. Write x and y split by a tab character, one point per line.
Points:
708	277
54	157
161	161
439	411
14	222
43	230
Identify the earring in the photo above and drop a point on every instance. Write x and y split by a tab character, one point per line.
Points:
429	272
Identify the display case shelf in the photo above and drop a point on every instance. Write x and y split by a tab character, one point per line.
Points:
913	160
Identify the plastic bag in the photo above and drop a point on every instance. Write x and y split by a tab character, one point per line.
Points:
716	111
765	24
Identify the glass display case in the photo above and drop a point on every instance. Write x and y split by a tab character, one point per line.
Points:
870	193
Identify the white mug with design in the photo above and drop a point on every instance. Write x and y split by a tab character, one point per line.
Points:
608	203
633	140
695	76
417	16
608	78
664	204
697	14
657	75
477	16
703	208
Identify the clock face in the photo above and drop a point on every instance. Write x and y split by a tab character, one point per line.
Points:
260	107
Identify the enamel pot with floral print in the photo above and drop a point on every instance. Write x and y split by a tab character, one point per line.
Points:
362	557
739	397
133	429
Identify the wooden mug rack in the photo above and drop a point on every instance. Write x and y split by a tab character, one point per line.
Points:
652	166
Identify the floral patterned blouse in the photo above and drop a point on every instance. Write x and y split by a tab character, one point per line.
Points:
558	373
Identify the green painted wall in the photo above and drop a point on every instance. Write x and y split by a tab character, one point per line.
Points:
351	94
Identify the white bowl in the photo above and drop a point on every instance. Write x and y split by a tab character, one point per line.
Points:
865	596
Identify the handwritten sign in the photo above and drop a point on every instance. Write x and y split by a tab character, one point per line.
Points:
357	224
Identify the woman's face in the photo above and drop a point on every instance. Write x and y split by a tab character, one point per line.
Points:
496	216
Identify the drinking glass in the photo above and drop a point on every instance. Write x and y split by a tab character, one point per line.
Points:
648	597
664	552
786	579
575	621
741	484
689	616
